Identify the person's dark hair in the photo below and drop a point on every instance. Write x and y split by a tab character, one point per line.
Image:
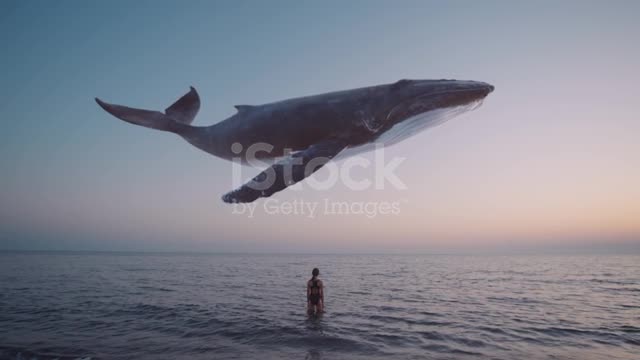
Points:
315	272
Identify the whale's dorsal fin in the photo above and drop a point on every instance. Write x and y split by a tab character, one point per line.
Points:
243	108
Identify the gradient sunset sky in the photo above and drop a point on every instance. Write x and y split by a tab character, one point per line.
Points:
551	160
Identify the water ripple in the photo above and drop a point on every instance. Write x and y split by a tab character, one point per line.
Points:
99	306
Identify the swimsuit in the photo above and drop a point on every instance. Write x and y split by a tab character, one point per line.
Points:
314	297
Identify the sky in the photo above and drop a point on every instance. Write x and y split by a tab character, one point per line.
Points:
550	161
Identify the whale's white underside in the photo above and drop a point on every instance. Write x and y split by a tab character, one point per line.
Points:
410	127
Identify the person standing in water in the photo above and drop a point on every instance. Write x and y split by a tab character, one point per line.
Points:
315	294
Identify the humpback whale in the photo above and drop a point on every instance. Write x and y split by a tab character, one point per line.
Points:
304	133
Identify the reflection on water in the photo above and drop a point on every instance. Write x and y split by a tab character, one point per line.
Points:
120	306
314	328
313	354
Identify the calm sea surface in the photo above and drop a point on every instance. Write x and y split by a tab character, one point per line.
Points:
176	306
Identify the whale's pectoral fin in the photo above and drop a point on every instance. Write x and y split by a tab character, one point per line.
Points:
287	172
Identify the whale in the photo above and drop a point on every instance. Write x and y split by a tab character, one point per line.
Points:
298	136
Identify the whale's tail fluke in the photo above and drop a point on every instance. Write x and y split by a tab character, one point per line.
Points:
185	109
175	118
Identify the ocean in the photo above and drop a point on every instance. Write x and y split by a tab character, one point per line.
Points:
215	306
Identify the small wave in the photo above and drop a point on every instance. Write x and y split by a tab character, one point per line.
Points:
444	349
616	282
388	319
17	353
579	334
155	288
432	335
629	329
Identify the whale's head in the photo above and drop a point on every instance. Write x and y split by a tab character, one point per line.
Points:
408	98
405	107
